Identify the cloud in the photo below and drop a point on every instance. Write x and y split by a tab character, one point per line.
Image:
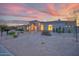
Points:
52	10
66	8
24	11
19	10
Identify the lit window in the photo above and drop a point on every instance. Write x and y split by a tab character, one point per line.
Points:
42	27
50	27
27	27
33	27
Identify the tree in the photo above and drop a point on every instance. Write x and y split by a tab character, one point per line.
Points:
2	28
7	29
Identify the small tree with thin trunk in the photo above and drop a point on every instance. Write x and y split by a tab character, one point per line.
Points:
2	29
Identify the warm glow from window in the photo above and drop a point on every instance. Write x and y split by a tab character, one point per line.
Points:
42	27
50	27
27	27
32	27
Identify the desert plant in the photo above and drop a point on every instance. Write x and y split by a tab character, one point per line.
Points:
13	34
47	33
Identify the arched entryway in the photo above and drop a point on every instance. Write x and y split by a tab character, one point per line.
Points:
50	27
33	27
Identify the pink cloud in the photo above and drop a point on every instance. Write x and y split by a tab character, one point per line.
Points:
52	10
18	10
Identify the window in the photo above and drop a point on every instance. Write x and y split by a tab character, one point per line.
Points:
33	27
41	27
50	27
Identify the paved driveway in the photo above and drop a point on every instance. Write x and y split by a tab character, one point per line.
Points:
34	44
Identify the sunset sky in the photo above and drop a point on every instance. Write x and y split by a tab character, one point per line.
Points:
37	11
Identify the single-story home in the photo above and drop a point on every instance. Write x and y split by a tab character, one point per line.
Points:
53	26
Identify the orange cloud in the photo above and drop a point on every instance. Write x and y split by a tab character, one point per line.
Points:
67	9
72	6
52	10
19	10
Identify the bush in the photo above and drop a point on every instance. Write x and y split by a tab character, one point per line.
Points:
20	30
13	34
47	33
63	30
69	30
56	29
60	30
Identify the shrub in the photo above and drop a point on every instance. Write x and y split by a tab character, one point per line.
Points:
20	30
11	33
56	29
15	36
47	33
69	30
60	30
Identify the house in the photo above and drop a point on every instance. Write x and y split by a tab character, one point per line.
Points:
52	26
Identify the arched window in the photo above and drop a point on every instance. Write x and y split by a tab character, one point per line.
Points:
50	27
41	27
33	27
